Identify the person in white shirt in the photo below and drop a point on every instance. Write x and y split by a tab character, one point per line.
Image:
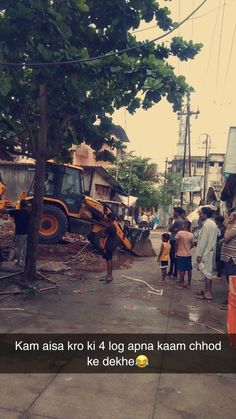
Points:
144	220
206	250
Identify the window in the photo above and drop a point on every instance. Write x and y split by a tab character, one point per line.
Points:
221	164
71	183
102	190
49	183
199	164
212	163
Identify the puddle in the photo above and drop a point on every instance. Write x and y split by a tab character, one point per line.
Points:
204	319
194	317
193	313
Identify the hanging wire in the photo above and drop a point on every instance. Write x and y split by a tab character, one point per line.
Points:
193	22
179	16
213	37
230	54
125	26
125	119
179	33
192	18
220	44
100	57
192	32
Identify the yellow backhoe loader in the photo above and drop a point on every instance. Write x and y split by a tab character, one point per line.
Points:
68	209
4	202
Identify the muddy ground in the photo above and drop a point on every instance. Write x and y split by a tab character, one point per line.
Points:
74	250
80	303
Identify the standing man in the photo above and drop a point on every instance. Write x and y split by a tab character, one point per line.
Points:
177	225
22	221
111	242
205	251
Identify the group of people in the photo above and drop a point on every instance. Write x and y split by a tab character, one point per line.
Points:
150	221
214	244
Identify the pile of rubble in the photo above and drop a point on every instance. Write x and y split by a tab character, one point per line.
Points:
7	230
73	249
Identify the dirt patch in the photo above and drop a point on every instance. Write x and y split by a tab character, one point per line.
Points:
71	250
121	260
70	245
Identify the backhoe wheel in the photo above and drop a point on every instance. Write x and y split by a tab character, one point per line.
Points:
98	240
53	224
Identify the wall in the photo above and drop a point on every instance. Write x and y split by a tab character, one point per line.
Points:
84	156
17	178
215	171
99	194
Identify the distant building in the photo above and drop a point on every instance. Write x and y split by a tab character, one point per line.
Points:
18	171
214	175
84	155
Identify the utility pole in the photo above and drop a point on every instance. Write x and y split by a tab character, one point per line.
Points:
129	185
166	163
165	180
130	174
187	145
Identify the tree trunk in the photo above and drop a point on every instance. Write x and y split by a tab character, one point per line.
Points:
37	207
37	204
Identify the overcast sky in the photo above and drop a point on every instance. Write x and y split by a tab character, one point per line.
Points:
154	133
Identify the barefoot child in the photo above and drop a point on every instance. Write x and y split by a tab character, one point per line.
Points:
184	244
163	256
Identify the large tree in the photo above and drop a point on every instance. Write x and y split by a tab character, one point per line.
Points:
138	177
50	99
169	189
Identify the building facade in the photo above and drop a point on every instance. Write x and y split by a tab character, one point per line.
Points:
214	175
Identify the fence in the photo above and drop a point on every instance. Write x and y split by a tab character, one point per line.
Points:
17	178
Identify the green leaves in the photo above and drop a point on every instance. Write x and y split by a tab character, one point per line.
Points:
144	179
184	50
85	95
81	4
5	84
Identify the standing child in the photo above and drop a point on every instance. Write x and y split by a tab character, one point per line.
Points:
184	244
163	256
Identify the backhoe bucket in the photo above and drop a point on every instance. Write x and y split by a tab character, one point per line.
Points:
142	245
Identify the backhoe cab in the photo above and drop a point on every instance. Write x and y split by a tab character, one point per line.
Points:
66	208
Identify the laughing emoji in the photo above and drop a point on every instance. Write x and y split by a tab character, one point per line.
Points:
142	361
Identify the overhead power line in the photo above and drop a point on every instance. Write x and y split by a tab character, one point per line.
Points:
220	43
100	57
230	54
213	35
179	16
193	18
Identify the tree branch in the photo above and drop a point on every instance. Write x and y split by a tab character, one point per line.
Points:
64	125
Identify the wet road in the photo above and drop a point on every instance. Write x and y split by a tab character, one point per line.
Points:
123	306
